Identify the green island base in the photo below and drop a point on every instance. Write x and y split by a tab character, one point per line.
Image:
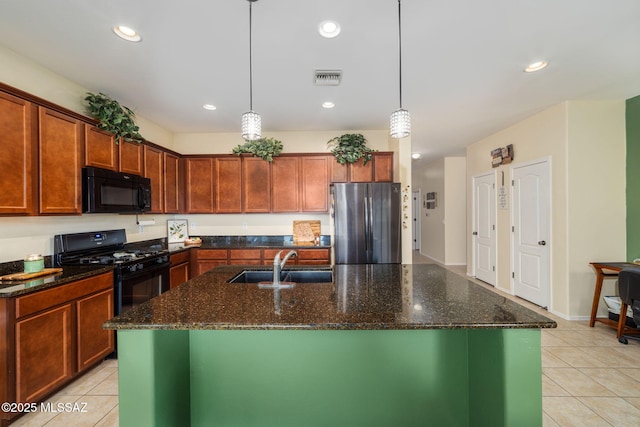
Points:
426	377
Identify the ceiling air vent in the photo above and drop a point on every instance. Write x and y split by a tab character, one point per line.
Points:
327	77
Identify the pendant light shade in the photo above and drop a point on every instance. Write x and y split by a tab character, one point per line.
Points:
251	121
251	125
400	122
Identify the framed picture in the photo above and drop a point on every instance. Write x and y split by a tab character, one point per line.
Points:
177	230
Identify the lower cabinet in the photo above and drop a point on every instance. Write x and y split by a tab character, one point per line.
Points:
245	256
206	259
53	335
179	268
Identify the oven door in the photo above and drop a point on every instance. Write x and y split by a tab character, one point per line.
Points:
133	289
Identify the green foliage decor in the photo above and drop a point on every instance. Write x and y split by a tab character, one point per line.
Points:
265	148
350	147
113	117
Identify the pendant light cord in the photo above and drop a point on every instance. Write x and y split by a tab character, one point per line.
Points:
400	51
250	61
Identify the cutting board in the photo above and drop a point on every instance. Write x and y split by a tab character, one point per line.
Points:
27	276
305	231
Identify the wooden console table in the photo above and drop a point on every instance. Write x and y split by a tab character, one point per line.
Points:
610	270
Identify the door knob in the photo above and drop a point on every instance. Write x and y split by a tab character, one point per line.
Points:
542	243
475	233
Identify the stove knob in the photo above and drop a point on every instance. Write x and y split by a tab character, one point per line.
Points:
140	266
132	268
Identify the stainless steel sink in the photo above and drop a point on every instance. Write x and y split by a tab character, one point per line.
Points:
295	276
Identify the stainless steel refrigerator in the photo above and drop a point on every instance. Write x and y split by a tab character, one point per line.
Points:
366	219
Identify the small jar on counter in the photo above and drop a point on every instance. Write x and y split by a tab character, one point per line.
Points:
33	263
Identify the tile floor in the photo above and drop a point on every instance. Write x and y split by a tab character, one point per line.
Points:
588	379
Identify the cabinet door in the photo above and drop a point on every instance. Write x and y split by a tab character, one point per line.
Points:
359	172
228	185
131	157
315	183
17	180
153	170
199	185
207	264
61	150
383	167
171	183
338	171
44	353
94	343
100	149
245	256
256	185
314	256
285	191
178	274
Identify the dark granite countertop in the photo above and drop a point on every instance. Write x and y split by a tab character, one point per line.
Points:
381	296
69	274
247	242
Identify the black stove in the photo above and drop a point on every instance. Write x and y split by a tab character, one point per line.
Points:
140	273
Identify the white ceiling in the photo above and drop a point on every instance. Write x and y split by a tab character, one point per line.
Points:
462	60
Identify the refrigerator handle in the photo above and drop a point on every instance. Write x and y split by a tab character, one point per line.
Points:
370	234
366	224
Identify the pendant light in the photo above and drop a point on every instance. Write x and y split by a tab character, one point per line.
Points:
400	122
251	121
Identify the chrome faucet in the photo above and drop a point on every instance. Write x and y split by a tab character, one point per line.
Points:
279	265
277	269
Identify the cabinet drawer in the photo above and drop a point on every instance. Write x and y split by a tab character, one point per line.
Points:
245	253
211	254
38	301
311	254
179	258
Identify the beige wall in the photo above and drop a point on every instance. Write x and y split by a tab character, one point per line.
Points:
583	140
443	229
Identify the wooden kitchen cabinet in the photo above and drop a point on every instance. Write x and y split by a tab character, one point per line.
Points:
153	169
171	183
245	256
44	353
359	172
206	259
338	172
53	335
383	167
199	185
314	186
94	343
285	189
312	256
18	125
131	157
100	149
179	268
61	150
228	184
256	185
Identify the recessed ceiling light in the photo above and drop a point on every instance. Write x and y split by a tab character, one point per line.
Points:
209	107
329	29
535	66
328	104
126	33
416	155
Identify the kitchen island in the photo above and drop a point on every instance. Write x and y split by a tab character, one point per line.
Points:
379	345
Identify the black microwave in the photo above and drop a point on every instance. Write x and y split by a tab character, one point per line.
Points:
105	191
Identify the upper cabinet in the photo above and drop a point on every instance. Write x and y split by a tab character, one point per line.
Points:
199	184
228	184
61	150
256	185
130	157
383	167
285	188
100	149
172	182
379	169
153	169
314	183
18	124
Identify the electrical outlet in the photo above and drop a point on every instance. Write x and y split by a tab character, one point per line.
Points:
192	225
245	225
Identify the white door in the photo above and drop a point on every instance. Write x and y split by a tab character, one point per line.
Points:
531	230
484	228
416	220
